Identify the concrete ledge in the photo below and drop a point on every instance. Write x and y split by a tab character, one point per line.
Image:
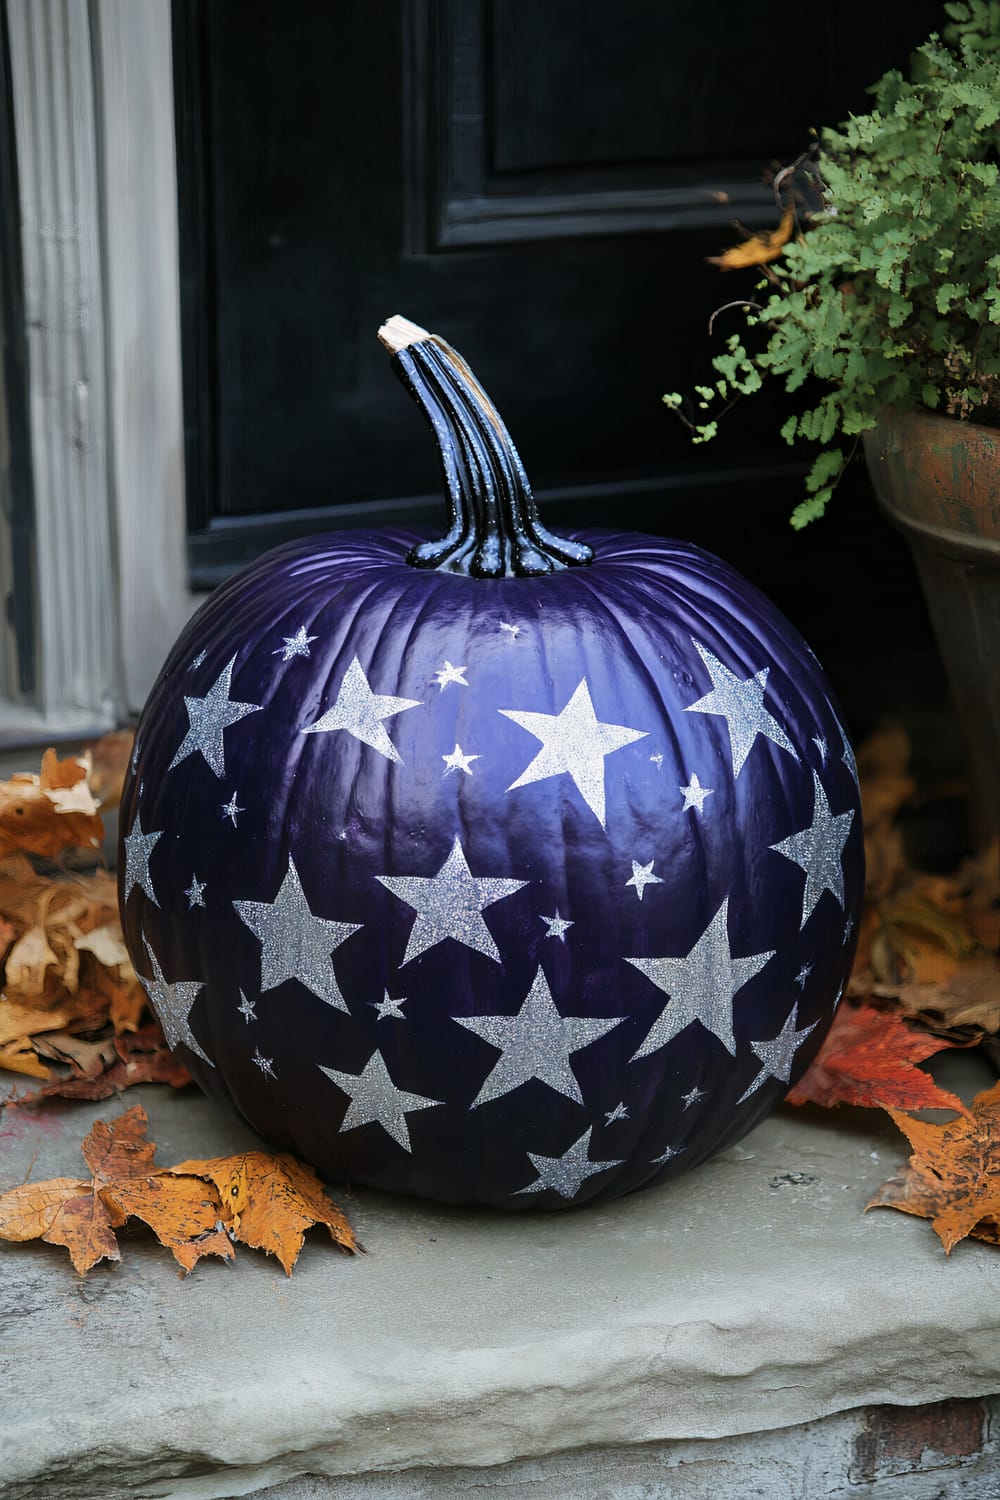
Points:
749	1298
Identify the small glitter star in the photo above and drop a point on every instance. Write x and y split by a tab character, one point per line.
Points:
642	875
821	745
458	761
229	809
803	975
778	1054
265	1064
694	794
195	893
138	847
295	645
447	674
512	630
668	1155
390	1008
818	850
692	1097
657	759
567	1173
618	1113
246	1009
558	926
208	719
848	929
198	660
375	1100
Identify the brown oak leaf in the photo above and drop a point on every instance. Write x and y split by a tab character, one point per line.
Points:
870	1058
953	1177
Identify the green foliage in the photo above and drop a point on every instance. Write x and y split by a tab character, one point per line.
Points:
891	294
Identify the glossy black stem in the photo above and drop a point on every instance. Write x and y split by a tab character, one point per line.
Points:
493	525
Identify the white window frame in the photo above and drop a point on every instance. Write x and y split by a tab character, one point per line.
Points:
92	86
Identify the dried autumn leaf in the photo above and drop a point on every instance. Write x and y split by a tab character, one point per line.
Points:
953	1177
106	1066
272	1201
109	757
194	1209
870	1059
49	812
969	999
758	249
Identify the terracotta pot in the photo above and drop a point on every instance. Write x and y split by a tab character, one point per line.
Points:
938	479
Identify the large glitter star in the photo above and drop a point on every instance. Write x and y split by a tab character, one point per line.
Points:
450	904
375	1099
819	850
701	986
138	847
567	1173
172	1004
208	719
360	712
741	703
778	1054
574	743
536	1043
295	943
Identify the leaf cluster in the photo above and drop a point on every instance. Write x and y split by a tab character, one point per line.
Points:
890	295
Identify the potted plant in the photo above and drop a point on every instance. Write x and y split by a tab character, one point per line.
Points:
882	286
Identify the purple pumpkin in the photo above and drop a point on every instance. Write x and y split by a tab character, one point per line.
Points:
504	869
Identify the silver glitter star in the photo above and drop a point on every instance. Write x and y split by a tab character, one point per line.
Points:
694	794
447	674
848	929
450	905
820	742
296	944
803	975
195	893
668	1155
618	1113
387	1008
172	1004
536	1043
558	926
574	743
779	1054
138	847
295	645
701	986
567	1173
360	712
819	850
208	719
657	759
741	703
375	1099
692	1096
197	660
847	756
642	875
265	1064
457	761
246	1009
229	809
512	630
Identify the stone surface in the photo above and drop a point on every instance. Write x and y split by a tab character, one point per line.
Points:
751	1296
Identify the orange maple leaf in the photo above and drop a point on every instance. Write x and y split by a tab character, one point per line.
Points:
953	1177
758	249
870	1058
266	1201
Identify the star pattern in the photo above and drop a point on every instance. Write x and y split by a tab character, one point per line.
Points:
295	943
265	1064
668	1155
803	975
741	703
138	847
375	1100
172	1002
231	810
536	1043
566	1174
447	673
819	850
389	1008
618	1113
195	893
557	926
694	794
208	719
246	1009
701	986
692	1097
823	749
642	875
450	905
512	630
360	712
778	1054
295	645
458	761
574	743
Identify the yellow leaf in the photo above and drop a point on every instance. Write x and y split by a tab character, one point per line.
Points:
758	249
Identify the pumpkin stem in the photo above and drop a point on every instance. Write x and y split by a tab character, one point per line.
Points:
493	525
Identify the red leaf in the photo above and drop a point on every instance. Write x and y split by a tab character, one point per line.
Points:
870	1058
